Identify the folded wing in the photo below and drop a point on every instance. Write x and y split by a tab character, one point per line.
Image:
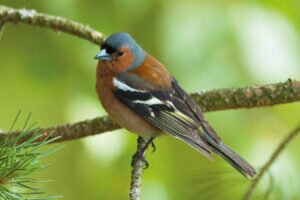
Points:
172	110
164	108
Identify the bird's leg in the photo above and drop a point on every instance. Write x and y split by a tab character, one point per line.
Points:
141	153
152	144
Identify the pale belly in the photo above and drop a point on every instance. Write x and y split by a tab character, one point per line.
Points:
123	115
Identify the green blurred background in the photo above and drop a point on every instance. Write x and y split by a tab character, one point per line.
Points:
205	45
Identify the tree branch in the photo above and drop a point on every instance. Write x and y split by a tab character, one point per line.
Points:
275	154
137	170
248	97
8	14
220	99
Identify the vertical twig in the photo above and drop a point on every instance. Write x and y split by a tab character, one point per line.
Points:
2	23
137	170
275	154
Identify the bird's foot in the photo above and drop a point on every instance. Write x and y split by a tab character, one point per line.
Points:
141	154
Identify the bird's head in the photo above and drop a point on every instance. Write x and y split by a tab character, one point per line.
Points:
122	50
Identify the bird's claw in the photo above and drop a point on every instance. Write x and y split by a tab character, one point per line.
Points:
140	155
153	145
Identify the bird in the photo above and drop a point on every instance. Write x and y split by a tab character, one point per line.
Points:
139	93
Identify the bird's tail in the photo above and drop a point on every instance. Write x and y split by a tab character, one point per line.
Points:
230	156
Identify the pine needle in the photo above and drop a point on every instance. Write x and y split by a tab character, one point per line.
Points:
20	158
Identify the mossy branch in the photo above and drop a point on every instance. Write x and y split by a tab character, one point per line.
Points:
248	97
8	14
220	99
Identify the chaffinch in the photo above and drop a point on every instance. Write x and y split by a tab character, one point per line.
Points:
140	94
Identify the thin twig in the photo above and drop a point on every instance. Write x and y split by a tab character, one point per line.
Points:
270	185
275	154
2	24
137	170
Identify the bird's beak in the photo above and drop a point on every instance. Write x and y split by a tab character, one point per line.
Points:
103	55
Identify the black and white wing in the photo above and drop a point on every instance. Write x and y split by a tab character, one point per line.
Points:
173	111
167	109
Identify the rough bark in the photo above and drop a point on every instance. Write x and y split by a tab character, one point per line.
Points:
220	99
137	170
34	18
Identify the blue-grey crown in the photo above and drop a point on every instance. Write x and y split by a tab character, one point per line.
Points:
118	40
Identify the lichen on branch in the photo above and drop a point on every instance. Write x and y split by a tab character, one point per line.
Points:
248	97
34	18
220	99
137	170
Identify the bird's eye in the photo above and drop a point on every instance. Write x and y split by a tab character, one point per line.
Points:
120	53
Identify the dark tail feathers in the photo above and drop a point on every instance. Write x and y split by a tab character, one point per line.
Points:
231	157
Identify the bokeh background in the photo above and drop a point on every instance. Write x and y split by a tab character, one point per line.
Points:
205	45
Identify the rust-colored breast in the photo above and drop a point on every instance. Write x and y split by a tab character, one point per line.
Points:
118	111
